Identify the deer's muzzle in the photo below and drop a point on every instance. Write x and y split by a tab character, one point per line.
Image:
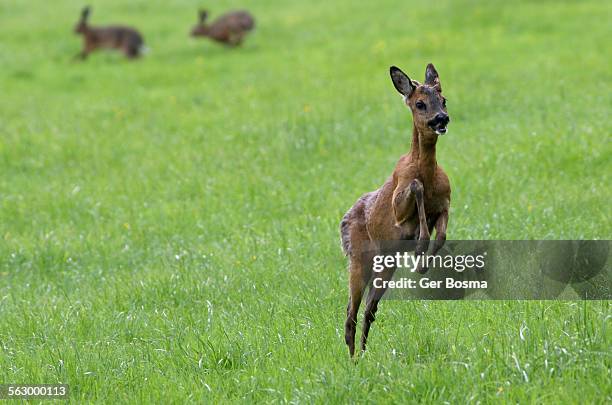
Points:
439	123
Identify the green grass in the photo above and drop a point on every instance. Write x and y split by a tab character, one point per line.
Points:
169	227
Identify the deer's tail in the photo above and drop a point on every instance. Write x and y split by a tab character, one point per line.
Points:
344	234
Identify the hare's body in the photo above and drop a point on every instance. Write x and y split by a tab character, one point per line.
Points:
413	202
125	39
229	29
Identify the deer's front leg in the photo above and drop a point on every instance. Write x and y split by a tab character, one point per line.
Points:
441	224
407	198
404	202
416	188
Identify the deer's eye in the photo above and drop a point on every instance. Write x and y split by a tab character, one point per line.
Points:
420	105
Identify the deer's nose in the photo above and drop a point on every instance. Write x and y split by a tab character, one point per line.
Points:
442	118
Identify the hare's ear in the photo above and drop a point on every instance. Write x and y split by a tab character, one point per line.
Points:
85	13
203	14
402	82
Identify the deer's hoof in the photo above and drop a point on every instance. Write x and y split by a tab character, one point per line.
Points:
421	247
421	269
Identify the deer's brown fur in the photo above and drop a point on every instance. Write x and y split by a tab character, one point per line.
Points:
413	202
126	39
229	29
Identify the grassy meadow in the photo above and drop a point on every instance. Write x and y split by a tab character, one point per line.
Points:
169	226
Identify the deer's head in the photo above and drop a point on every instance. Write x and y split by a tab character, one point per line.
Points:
426	101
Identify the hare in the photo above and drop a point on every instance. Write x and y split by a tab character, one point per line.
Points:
126	39
228	29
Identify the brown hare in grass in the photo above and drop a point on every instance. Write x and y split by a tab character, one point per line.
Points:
229	29
126	39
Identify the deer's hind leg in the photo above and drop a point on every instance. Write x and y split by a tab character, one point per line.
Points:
356	236
377	290
357	285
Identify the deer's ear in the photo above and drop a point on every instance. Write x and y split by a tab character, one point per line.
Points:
431	77
401	81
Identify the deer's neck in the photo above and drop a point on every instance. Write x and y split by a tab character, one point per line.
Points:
423	153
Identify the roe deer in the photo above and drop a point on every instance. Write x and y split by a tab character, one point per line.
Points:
126	39
411	203
229	29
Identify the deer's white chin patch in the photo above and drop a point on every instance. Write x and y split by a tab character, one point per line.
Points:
441	131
